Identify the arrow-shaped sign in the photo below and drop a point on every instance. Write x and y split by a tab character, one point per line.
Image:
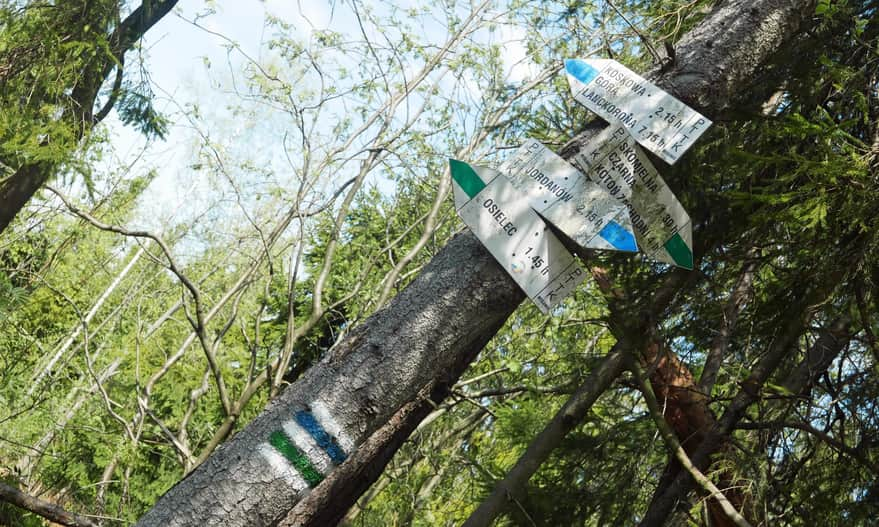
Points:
662	226
568	199
514	234
658	121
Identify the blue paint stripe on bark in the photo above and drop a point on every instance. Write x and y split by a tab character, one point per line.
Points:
321	437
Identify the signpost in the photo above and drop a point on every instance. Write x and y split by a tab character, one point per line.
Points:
514	234
662	226
618	202
568	199
658	121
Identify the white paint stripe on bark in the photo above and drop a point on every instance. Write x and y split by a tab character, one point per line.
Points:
325	418
308	446
281	467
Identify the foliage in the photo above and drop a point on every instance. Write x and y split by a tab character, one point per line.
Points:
290	239
44	49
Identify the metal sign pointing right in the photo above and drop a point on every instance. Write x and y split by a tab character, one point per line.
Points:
568	199
661	225
658	121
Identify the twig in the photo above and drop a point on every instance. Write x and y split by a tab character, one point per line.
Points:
199	323
834	443
674	446
646	42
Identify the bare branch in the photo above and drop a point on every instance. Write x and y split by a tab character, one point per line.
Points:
199	323
45	509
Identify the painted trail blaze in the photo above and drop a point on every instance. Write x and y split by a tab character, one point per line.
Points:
294	446
286	448
320	436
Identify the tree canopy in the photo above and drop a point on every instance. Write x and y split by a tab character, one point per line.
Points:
139	333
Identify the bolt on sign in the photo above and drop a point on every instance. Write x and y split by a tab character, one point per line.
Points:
616	164
569	200
659	122
514	234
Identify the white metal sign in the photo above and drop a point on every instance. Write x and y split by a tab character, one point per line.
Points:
659	122
661	225
514	234
569	200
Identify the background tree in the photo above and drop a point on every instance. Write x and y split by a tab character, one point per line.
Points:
54	60
765	354
192	326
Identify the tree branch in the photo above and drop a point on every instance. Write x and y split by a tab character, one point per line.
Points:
512	487
138	23
199	324
834	443
675	448
45	509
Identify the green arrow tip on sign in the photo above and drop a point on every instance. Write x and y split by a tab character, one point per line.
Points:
680	253
466	178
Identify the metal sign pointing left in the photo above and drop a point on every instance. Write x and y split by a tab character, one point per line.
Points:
577	206
514	234
658	121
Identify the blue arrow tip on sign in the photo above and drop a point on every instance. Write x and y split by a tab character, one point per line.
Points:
616	235
580	70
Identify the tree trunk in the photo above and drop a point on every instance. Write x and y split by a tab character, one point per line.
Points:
427	334
18	189
715	439
437	324
512	488
329	502
21	186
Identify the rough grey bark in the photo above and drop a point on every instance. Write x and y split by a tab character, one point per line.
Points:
717	60
427	334
329	502
452	309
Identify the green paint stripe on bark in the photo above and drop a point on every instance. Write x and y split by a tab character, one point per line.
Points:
680	253
466	177
287	449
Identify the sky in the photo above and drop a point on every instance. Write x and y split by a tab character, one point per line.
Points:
176	52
